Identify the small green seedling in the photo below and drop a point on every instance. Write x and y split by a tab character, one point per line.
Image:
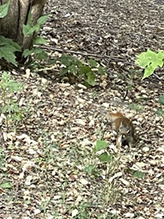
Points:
150	61
9	105
77	70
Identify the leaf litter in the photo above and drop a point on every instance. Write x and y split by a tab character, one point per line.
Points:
44	175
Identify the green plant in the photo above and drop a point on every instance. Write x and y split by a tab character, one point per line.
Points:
150	60
137	107
100	152
160	111
4	9
9	106
161	99
7	50
76	70
83	211
8	47
102	160
91	168
73	68
6	185
105	156
44	203
32	30
111	163
136	173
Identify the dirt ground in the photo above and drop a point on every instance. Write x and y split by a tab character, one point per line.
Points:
47	160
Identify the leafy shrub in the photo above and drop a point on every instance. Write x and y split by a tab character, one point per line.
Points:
9	106
104	157
150	61
8	47
72	68
7	50
32	30
76	70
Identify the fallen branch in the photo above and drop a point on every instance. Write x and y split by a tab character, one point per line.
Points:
82	53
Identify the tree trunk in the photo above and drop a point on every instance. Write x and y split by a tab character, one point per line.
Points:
11	26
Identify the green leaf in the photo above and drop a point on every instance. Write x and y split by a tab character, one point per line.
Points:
10	85
145	58
160	58
5	77
101	70
73	69
40	53
7	41
9	105
29	18
42	20
28	30
15	86
149	70
6	185
8	49
65	60
100	145
40	40
160	112
78	62
90	169
53	61
137	107
63	71
90	78
4	9
150	61
84	69
27	52
161	99
17	116
138	174
105	157
92	63
7	52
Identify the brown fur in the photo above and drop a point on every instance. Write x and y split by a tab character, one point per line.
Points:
123	127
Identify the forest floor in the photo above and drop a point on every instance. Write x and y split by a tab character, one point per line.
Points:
48	166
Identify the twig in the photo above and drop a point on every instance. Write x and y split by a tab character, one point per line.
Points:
82	53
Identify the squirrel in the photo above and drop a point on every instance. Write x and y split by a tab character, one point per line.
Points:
124	129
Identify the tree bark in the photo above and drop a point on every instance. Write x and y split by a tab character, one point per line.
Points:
11	26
